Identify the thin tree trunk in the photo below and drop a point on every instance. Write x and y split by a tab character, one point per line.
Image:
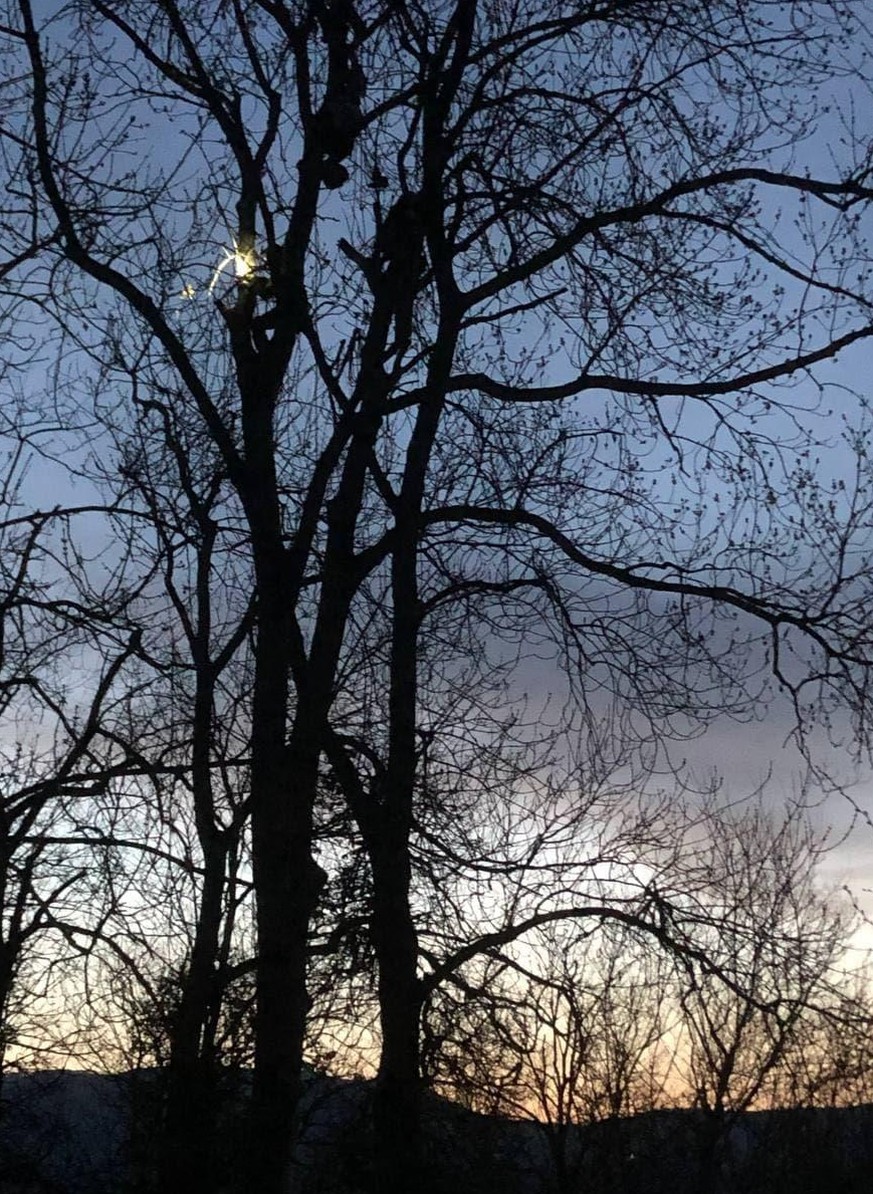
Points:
189	1154
397	1120
7	975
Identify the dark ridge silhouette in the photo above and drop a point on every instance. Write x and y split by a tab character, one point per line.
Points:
79	1133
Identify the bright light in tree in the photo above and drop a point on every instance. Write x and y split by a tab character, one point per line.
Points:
242	261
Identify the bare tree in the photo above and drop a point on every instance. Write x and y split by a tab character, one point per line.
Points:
567	1036
195	647
827	1062
492	345
57	753
776	939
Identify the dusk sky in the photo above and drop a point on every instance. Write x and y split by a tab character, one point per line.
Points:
479	395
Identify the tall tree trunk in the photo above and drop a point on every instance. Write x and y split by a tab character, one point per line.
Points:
281	864
398	1121
288	883
399	1162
